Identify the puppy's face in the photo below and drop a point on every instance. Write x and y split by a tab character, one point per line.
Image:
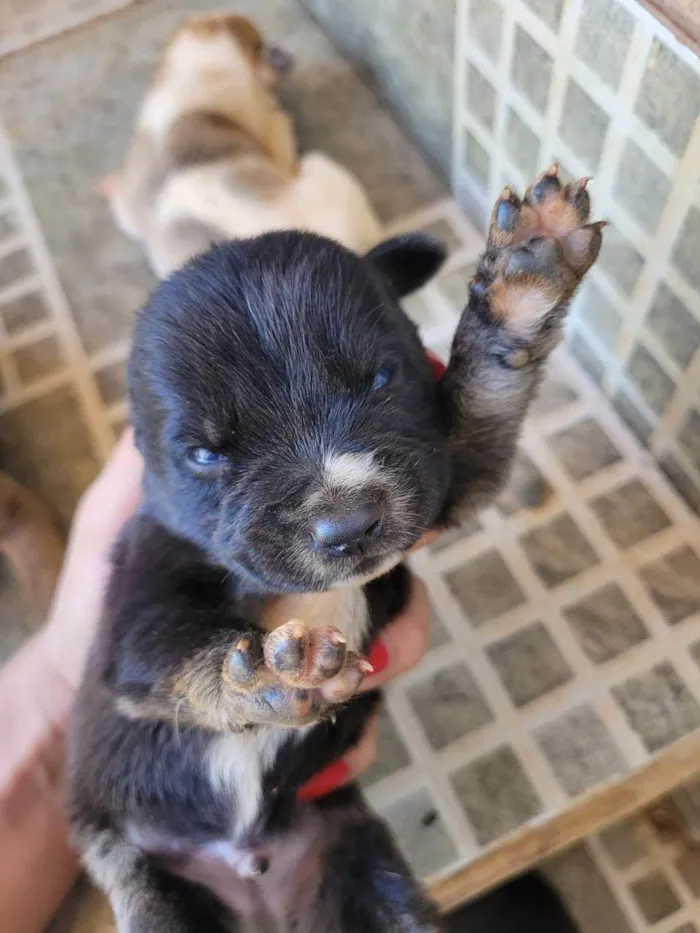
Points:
225	43
286	410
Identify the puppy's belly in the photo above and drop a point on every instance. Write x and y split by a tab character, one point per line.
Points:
289	883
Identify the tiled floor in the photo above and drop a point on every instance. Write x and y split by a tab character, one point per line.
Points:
566	638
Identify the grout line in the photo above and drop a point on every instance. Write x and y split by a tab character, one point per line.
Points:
88	397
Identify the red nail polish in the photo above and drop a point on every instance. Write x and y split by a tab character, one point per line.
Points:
325	781
437	366
378	656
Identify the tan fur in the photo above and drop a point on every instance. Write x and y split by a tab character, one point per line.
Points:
213	153
344	608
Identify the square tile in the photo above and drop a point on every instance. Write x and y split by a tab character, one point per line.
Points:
628	410
590	359
496	794
624	844
449	705
454	285
604	34
553	394
528	664
583	126
521	144
468	528
599	316
111	382
392	755
588	894
658	706
485	26
47	446
485	588
14	267
655	897
676	328
444	231
38	359
477	160
605	624
420	311
580	750
549	11
439	635
420	833
23	312
481	97
687	248
689	437
652	382
640	187
680	479
526	487
9	225
669	97
620	260
531	69
558	551
673	582
584	449
630	513
688	867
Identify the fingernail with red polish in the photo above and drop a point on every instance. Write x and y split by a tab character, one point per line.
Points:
378	656
325	781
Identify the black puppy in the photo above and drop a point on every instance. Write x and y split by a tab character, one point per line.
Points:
296	446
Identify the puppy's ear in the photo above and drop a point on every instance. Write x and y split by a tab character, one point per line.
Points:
408	260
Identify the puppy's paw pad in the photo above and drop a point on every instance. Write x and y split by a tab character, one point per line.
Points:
244	661
305	656
340	688
540	247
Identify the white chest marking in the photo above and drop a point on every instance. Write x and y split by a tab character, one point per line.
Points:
236	765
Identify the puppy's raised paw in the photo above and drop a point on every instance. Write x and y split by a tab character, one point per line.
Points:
539	248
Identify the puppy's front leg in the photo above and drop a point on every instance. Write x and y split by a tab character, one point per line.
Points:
538	251
292	676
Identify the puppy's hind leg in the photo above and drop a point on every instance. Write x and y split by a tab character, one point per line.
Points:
144	896
365	886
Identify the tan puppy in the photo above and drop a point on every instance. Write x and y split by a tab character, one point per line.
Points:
214	156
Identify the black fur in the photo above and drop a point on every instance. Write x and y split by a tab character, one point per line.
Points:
266	352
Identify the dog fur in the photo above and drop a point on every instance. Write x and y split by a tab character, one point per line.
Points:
214	156
276	381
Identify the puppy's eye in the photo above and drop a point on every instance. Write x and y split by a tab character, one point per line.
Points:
202	457
382	377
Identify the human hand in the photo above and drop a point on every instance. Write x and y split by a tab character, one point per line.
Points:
77	606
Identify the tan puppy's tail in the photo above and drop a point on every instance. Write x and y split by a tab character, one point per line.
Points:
31	540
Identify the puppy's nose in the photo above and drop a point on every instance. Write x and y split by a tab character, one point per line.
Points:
348	533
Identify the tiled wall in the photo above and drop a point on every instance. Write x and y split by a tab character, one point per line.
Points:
602	87
407	46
